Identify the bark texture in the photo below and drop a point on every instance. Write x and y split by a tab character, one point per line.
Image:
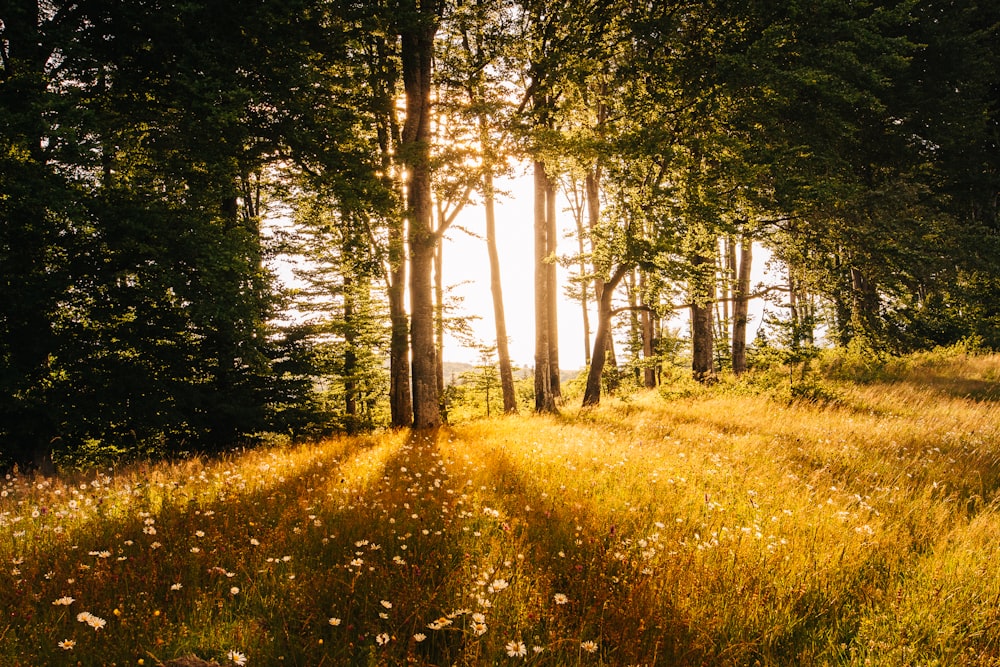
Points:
417	53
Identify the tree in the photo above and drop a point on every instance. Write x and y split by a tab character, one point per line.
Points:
417	25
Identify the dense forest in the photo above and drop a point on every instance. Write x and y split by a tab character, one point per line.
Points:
147	149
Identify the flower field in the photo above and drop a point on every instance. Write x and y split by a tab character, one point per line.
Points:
714	529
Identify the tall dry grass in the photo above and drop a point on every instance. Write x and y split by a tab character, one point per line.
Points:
720	528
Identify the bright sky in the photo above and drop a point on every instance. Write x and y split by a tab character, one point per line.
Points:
466	259
467	271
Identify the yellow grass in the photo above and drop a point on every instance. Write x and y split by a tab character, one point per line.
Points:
720	529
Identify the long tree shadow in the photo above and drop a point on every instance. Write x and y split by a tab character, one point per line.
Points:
159	554
575	544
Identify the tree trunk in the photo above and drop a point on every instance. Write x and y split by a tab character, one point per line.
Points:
793	309
350	358
702	330
503	352
635	328
584	292
544	399
439	312
592	394
389	140
417	52
400	400
741	307
551	237
648	353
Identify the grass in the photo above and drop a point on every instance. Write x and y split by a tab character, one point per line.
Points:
718	528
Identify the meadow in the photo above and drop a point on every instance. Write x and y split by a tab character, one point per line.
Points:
720	526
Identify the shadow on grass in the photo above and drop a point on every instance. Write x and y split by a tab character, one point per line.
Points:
114	566
571	543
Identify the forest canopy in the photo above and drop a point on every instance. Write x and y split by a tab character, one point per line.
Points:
145	146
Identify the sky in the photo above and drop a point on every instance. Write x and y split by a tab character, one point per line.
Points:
466	267
466	261
467	275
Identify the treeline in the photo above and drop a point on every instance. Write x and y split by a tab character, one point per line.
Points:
145	145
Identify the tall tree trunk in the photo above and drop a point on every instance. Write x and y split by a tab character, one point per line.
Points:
400	399
741	307
648	352
439	311
417	52
592	183
729	248
702	331
503	352
635	329
390	139
350	357
584	291
544	399
592	394
551	238
864	304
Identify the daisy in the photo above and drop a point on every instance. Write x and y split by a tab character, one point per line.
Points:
516	649
67	644
64	601
237	658
560	598
334	621
589	646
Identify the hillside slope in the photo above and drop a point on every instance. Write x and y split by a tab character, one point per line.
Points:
718	528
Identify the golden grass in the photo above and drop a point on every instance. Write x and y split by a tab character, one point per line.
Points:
716	529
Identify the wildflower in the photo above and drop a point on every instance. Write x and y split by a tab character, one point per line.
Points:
382	639
237	657
234	590
155	545
95	622
419	637
175	587
589	646
334	621
560	598
386	604
254	542
498	585
67	644
195	550
64	601
440	623
516	649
